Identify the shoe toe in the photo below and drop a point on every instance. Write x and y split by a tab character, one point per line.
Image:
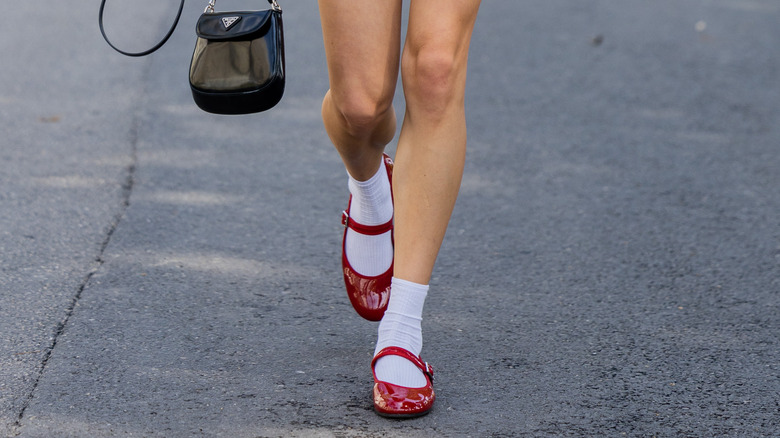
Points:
401	402
368	295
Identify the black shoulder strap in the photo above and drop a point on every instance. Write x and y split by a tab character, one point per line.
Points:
145	52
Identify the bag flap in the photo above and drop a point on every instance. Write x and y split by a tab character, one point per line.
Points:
231	25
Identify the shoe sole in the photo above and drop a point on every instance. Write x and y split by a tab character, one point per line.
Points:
402	416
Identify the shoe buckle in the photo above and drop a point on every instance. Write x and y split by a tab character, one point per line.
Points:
429	371
345	218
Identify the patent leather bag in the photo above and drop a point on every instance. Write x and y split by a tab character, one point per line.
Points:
238	64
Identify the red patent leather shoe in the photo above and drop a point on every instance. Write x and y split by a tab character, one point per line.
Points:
396	401
368	295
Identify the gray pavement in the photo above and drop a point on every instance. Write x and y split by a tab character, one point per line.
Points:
611	268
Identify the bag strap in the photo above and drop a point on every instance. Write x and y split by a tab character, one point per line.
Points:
145	52
209	9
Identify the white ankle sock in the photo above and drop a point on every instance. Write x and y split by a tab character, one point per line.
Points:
372	204
401	327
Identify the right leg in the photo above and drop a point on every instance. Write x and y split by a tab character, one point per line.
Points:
362	45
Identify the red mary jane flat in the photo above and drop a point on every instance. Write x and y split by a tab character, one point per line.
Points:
368	295
396	401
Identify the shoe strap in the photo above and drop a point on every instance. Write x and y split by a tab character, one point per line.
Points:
368	230
371	230
406	354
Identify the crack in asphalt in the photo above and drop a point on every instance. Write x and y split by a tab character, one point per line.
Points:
126	191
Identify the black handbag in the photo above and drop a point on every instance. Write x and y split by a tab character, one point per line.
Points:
238	63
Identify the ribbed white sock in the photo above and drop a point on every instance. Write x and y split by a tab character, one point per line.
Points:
372	204
401	327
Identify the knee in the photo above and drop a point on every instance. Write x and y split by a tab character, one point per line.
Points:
433	78
360	112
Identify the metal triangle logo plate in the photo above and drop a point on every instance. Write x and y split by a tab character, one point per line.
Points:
228	22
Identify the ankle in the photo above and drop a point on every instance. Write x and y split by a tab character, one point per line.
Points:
401	325
372	199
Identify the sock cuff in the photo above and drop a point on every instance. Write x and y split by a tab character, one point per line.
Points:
370	185
407	298
372	201
416	287
369	181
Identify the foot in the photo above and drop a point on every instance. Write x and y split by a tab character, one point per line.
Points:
396	401
402	327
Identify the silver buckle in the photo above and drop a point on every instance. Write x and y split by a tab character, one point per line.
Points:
345	218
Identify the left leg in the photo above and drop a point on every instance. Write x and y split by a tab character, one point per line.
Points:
429	165
432	145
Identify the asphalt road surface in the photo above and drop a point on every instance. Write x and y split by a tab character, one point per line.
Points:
611	268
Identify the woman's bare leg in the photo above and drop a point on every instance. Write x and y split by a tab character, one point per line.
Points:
429	166
432	144
362	46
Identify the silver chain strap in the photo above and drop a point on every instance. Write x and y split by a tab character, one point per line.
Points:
210	8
